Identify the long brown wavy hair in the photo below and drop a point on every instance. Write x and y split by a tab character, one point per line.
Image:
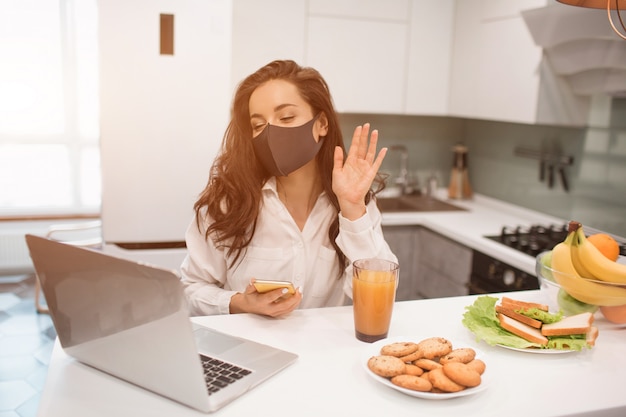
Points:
232	196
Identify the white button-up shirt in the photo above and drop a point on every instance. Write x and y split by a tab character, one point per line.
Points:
280	251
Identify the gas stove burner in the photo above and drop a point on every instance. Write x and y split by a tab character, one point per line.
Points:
532	239
538	238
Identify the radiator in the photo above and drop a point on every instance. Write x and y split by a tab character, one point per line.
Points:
14	257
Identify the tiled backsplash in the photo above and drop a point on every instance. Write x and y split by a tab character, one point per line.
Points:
596	179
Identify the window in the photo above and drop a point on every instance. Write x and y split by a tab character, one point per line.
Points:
49	133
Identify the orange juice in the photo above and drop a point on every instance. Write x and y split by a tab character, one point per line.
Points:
373	295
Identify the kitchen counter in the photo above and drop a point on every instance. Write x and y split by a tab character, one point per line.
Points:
329	376
483	216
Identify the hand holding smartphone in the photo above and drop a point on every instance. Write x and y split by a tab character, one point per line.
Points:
263	286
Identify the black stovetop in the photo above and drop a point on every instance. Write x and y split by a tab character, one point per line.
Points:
531	240
535	239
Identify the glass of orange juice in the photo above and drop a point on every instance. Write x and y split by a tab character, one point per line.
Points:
374	283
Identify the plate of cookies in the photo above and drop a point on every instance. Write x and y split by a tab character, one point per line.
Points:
431	368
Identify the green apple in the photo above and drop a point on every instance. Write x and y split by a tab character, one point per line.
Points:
571	306
546	266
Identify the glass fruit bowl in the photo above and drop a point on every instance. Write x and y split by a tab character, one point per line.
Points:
574	295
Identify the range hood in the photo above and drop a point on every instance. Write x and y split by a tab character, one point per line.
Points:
580	46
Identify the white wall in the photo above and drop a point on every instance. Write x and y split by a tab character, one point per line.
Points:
162	116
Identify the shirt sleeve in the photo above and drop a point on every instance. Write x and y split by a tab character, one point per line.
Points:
362	238
203	274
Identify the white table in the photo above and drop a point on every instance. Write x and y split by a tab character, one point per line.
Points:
329	378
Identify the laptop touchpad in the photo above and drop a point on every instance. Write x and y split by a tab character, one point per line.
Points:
210	341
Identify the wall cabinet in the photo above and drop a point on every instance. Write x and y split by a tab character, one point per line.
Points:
470	58
383	57
264	31
388	57
363	61
429	57
360	49
498	72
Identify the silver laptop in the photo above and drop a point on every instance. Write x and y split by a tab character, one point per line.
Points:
131	320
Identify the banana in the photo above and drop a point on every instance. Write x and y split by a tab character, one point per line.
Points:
580	268
578	287
599	266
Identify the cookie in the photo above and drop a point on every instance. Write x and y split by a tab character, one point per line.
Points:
434	347
411	369
477	365
427	364
386	366
412	382
439	380
398	349
461	374
412	356
463	355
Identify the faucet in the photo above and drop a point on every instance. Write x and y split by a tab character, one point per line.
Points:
403	178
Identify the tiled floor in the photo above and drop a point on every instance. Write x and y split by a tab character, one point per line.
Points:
26	341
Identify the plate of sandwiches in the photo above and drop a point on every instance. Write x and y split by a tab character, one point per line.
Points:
528	326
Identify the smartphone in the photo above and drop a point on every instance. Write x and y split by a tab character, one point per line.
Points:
263	285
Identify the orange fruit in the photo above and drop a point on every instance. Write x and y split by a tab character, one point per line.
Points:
606	245
615	314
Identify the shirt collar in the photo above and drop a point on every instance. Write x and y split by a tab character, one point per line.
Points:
270	185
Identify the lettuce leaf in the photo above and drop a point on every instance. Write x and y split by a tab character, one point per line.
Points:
571	342
480	319
542	316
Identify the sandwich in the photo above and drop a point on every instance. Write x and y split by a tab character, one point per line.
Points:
526	321
521	324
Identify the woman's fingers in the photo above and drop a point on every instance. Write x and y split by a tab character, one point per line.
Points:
358	147
338	158
379	159
363	145
362	150
371	150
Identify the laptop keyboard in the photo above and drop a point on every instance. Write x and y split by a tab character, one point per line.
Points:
219	374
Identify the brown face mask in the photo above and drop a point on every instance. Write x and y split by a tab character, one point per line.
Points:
282	150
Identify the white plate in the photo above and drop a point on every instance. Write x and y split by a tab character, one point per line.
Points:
540	351
374	350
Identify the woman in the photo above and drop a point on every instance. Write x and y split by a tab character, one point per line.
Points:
281	202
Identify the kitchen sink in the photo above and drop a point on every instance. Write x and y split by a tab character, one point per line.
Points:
414	203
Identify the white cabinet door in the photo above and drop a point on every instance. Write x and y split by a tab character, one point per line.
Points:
264	31
430	46
369	9
363	61
498	72
162	117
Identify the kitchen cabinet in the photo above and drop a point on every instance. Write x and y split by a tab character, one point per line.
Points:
498	72
162	117
363	61
429	57
383	57
431	265
264	31
444	266
403	241
378	57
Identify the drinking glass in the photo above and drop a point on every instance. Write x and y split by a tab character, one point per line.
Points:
374	283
